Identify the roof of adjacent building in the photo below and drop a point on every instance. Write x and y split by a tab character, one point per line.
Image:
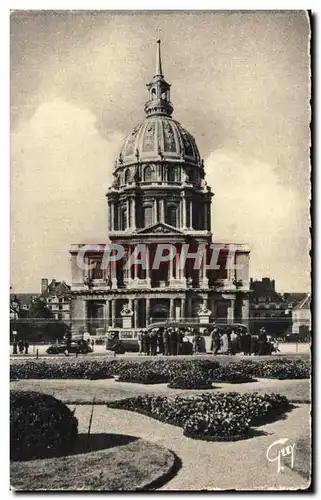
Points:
57	288
305	303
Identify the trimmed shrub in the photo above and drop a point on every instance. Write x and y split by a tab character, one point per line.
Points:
283	368
221	416
40	426
223	425
192	379
141	375
232	373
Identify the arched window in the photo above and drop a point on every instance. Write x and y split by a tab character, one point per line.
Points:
148	216
153	93
148	174
171	215
127	176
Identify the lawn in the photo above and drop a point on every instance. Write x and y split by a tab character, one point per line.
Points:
83	391
114	463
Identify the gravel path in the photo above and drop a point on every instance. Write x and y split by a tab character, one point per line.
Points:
238	465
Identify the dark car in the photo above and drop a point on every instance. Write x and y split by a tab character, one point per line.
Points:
74	347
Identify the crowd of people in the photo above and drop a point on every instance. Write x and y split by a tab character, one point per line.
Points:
224	340
21	346
166	341
227	340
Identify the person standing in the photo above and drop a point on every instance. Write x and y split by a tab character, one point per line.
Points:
20	346
145	345
174	341
233	343
26	346
153	342
160	342
196	342
180	337
166	341
170	341
254	345
140	342
216	341
247	343
15	347
262	342
225	343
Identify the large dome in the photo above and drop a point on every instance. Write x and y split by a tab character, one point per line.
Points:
159	137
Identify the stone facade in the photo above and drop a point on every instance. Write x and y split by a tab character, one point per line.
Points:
159	195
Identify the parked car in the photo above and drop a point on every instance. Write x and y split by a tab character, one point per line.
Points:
74	347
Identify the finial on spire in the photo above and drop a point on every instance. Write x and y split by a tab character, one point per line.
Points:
159	71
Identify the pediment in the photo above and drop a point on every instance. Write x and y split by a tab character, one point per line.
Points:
160	228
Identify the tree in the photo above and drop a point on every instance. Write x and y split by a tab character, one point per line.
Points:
40	324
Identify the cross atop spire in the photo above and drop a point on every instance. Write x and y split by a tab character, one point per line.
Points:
159	71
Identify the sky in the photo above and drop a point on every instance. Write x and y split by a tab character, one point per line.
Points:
240	86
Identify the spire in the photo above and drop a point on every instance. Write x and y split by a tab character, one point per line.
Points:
159	71
159	90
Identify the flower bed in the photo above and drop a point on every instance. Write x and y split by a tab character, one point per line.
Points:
40	426
141	375
283	368
163	370
191	379
223	416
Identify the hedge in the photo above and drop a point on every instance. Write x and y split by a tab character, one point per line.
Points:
160	370
40	426
217	416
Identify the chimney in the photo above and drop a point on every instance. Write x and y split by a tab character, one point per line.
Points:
44	284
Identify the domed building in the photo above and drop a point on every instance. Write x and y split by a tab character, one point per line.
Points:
159	196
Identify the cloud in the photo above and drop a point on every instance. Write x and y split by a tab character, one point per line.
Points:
61	168
252	206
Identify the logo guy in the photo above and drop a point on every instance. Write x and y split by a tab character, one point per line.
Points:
282	452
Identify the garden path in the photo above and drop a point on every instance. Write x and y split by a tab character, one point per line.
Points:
210	465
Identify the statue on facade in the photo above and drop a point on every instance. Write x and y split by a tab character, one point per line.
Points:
126	310
87	280
203	310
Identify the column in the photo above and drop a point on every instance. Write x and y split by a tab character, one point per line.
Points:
147	312
246	312
128	214
147	265
191	214
130	304
113	313
112	216
113	273
162	210
136	313
155	212
230	311
132	213
171	269
183	305
171	308
205	216
106	314
203	277
183	210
